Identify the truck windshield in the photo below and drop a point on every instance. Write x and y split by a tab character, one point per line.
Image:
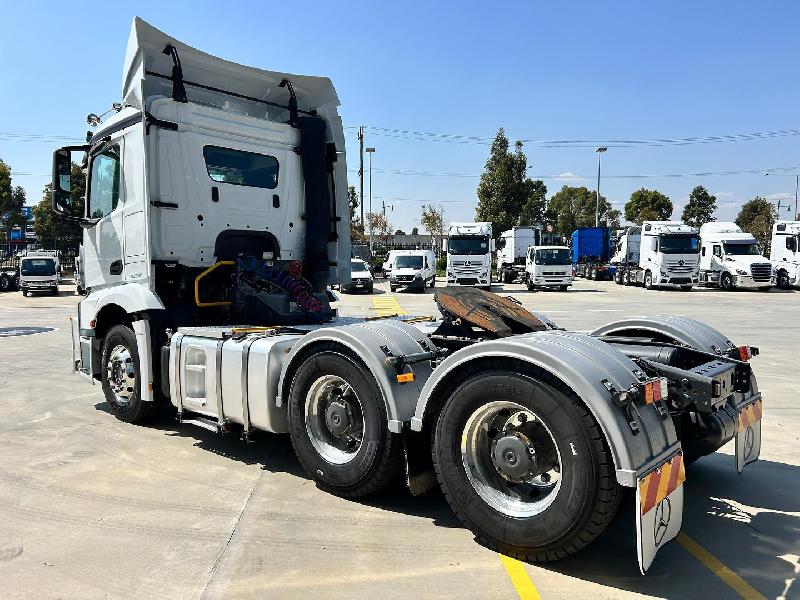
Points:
408	262
468	245
742	249
38	266
553	256
358	265
679	244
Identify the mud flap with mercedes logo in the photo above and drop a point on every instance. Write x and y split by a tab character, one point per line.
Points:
748	435
659	508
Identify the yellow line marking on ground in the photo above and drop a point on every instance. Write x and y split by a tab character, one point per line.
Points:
387	306
520	578
739	585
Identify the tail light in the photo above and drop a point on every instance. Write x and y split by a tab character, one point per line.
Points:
746	352
655	390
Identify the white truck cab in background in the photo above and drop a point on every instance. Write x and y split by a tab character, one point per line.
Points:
658	253
785	253
512	250
548	266
469	250
730	258
39	271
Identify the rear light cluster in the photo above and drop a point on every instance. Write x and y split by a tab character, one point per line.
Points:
745	353
655	390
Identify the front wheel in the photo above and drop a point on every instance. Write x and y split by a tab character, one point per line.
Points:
563	288
648	280
338	425
523	464
5	283
726	282
120	376
783	280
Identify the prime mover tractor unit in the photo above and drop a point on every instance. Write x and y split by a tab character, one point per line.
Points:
469	248
659	253
214	220
512	250
785	253
731	259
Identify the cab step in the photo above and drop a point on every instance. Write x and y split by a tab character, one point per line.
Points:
201	421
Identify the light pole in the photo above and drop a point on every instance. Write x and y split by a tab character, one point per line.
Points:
370	151
796	185
599	151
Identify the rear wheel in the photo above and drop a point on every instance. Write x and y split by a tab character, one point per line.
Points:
523	463
5	283
338	425
530	285
120	376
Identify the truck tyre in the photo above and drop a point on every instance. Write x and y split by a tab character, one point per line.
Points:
530	285
338	425
686	288
726	282
648	280
433	282
563	288
618	277
592	273
120	376
54	290
5	283
533	477
783	279
393	288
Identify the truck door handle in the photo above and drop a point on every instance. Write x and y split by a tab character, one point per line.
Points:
214	194
116	267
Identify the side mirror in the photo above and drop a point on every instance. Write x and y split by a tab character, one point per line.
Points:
491	245
444	245
62	201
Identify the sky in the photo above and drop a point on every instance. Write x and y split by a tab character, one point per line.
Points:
593	72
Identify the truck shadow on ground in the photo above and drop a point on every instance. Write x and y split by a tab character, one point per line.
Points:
741	520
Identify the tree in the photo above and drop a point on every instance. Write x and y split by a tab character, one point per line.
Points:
613	218
356	228
399	232
415	231
379	225
506	195
573	207
700	208
432	221
648	205
48	226
12	201
757	217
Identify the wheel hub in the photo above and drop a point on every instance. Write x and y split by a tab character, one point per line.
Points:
121	374
514	457
337	418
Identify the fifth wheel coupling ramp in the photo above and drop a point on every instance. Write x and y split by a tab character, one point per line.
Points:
495	314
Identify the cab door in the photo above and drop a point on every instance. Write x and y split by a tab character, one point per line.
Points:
103	261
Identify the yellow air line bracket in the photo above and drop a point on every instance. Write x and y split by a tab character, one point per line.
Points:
197	284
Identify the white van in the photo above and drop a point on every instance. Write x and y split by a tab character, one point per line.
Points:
413	269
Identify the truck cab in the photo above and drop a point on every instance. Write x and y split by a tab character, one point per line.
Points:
512	250
39	272
548	266
730	258
469	250
785	253
669	254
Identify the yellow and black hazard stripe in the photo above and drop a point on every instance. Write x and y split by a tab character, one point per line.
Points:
750	415
658	484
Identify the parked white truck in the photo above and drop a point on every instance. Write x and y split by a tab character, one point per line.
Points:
548	267
469	250
218	195
731	259
39	271
512	251
656	254
785	253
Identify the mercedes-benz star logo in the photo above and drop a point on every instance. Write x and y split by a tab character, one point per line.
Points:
663	515
681	262
749	442
468	264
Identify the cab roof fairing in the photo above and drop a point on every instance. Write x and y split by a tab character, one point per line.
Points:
145	52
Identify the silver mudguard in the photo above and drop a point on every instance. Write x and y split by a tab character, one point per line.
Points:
682	329
367	341
581	362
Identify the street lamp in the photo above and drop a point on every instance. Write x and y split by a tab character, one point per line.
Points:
370	151
796	185
599	151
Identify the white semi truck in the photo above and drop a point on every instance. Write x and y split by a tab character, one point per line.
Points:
512	250
731	259
469	248
659	253
785	253
217	196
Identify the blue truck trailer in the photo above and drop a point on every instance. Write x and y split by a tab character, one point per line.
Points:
591	251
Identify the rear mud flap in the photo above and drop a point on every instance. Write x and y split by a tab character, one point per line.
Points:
659	504
748	435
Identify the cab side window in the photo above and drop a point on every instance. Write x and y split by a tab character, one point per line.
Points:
717	250
791	244
238	167
104	183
